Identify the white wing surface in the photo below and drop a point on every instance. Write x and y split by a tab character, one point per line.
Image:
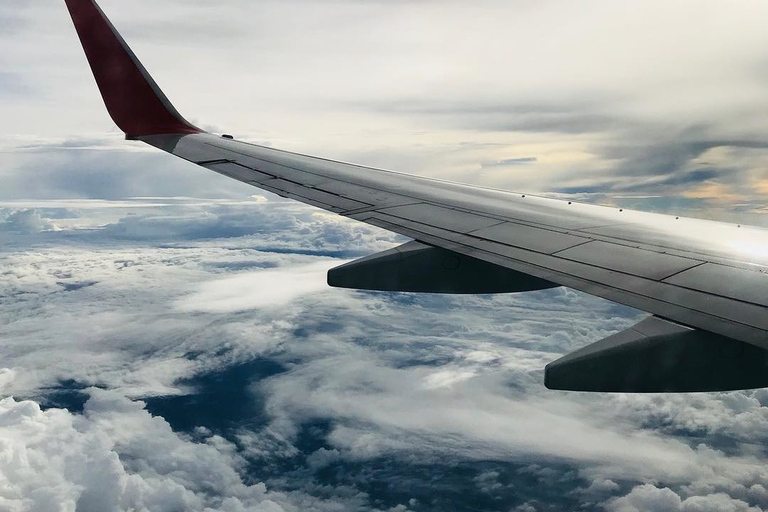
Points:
706	283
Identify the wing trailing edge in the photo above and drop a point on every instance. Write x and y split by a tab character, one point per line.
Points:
133	99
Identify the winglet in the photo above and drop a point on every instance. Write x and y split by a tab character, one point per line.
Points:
133	99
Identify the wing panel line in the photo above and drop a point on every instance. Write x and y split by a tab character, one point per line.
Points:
724	326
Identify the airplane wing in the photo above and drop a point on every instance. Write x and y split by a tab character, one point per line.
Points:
705	283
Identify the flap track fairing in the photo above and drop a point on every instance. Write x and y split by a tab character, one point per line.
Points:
417	267
657	356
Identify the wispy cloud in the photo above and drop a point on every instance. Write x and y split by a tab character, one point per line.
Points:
508	161
265	289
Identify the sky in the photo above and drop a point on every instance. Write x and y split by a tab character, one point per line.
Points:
168	339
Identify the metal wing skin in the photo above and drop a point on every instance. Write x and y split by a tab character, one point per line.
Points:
694	276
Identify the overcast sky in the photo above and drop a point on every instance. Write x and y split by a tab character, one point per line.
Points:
630	98
168	340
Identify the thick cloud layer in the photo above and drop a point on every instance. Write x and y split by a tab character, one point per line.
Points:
116	456
310	400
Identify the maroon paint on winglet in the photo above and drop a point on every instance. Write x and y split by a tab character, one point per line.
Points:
133	100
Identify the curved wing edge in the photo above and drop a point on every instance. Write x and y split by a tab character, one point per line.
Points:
133	99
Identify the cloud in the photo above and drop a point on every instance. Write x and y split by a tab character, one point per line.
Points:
270	288
337	390
649	497
70	172
116	456
25	221
508	161
582	107
381	408
98	268
11	84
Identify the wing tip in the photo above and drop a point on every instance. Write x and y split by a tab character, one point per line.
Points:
134	101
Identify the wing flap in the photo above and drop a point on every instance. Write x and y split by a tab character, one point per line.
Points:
629	260
433	215
313	194
237	171
531	238
735	283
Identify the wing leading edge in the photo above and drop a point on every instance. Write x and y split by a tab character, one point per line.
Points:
705	277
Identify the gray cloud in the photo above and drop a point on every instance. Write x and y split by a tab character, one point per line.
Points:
670	157
561	118
93	462
595	113
508	161
322	393
649	497
25	221
577	116
12	20
47	172
11	84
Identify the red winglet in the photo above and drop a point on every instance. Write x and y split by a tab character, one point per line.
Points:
134	101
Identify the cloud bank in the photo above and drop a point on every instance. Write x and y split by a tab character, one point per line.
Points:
171	382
